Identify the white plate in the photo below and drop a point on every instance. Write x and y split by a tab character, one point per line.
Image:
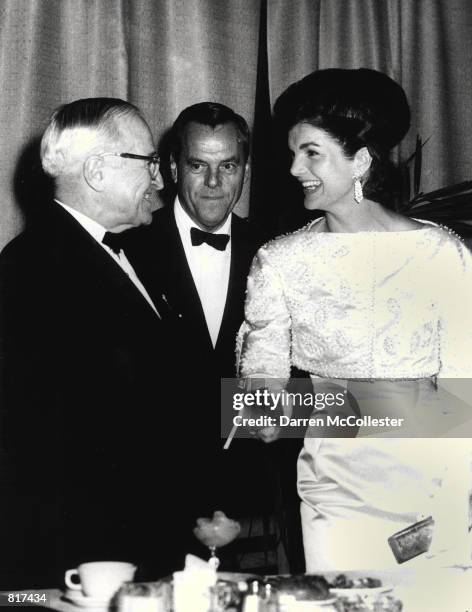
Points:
361	591
81	600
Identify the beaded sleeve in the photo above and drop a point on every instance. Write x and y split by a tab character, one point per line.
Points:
264	338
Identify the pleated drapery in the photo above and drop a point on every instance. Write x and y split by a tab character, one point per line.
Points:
166	54
426	45
161	55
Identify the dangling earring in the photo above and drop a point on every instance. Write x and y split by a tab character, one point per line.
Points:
358	193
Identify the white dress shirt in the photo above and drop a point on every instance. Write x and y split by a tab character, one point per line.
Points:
210	269
97	232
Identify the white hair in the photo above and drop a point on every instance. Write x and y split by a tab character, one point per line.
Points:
79	129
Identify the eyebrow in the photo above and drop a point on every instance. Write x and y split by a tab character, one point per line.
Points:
234	158
305	145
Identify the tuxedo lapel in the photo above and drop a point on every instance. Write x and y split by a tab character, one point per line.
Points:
232	290
180	286
159	255
129	296
86	260
242	251
240	257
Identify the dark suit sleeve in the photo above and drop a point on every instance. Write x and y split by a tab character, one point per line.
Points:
30	472
26	371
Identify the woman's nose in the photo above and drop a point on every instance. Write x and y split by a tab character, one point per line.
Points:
297	168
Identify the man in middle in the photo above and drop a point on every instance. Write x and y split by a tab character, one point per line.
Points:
198	253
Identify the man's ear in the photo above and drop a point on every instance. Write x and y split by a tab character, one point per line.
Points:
247	171
94	172
173	168
362	161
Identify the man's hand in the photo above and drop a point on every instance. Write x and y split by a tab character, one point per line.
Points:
268	434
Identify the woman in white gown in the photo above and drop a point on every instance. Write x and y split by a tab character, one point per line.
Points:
378	303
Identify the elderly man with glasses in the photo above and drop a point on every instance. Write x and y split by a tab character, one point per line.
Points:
84	346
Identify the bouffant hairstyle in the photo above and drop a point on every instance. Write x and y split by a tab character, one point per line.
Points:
358	108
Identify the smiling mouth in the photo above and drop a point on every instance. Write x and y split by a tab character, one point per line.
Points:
310	186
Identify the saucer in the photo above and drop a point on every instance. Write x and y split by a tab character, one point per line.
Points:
83	601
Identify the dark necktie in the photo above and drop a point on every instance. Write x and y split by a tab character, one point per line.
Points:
116	242
217	241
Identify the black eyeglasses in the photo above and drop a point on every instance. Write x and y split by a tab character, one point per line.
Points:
153	160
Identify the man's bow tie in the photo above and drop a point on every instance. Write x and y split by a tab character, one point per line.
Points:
116	242
217	241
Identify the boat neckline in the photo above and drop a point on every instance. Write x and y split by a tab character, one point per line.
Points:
426	225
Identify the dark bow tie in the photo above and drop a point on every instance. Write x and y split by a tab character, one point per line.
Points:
116	242
217	241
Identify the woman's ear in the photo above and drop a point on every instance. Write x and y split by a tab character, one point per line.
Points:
362	161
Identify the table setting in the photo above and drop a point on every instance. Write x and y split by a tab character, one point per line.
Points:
108	586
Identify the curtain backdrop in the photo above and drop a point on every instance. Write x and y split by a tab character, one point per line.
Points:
162	55
426	45
166	54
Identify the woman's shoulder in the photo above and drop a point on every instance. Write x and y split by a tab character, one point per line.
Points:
409	223
441	244
440	231
290	240
426	229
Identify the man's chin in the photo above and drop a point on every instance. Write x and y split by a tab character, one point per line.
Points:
145	214
211	223
146	219
211	226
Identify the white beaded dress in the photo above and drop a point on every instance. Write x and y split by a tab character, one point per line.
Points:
394	307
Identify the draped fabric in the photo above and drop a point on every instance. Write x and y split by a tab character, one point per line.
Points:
166	54
425	45
161	55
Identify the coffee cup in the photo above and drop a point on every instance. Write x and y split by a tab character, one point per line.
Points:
100	579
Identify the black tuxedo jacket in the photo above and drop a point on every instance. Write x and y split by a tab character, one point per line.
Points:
209	471
158	253
82	355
